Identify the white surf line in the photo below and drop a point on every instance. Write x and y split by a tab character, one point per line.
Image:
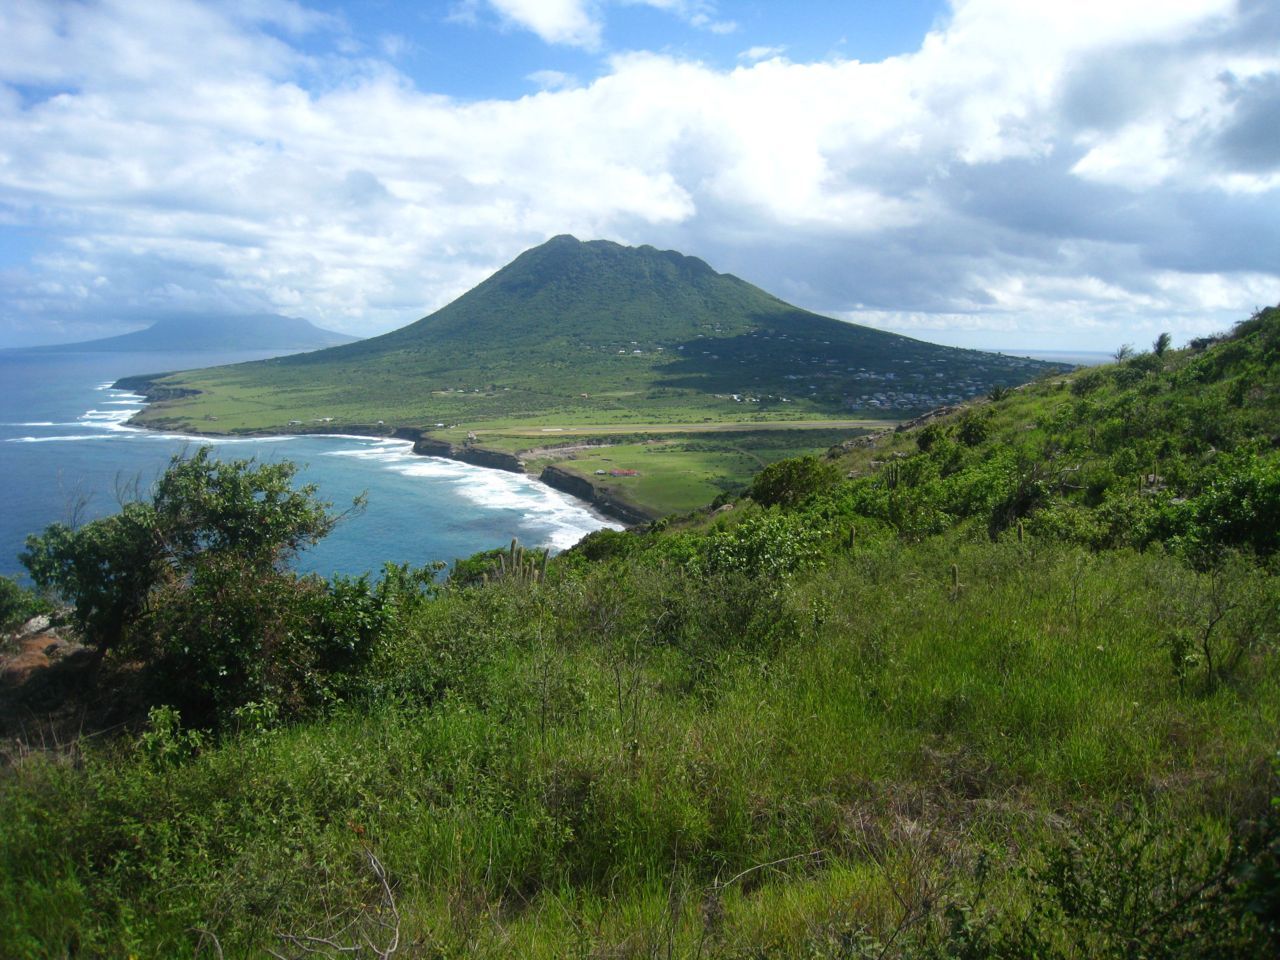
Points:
564	518
88	436
560	518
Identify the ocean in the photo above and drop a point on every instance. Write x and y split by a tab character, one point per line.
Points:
67	455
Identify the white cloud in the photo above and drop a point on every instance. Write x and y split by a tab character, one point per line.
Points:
572	22
580	23
552	79
1033	168
753	54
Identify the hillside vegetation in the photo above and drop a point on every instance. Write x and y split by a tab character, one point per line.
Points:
1003	685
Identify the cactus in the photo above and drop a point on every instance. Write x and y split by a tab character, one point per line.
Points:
520	565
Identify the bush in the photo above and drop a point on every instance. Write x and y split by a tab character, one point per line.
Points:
1128	886
974	428
773	546
194	584
233	635
788	482
1241	508
603	544
1088	382
928	436
18	605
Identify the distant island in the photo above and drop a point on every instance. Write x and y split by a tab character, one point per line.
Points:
244	332
641	379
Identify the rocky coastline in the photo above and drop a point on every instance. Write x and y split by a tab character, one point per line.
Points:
425	445
553	476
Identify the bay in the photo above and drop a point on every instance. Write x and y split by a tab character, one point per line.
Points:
66	455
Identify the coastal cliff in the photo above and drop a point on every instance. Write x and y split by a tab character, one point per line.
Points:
552	476
584	489
476	456
146	386
428	446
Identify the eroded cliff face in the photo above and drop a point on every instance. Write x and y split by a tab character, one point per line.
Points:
146	386
552	476
477	456
584	489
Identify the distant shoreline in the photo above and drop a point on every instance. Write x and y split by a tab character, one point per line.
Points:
1081	358
561	481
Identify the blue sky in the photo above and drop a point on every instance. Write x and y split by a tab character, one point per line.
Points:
472	52
993	173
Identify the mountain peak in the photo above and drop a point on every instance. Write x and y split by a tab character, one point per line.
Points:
566	257
593	329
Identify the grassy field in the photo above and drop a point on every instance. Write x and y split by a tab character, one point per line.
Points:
678	473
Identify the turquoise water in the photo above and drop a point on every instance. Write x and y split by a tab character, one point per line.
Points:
66	454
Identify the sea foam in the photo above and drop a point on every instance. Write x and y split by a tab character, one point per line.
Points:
558	519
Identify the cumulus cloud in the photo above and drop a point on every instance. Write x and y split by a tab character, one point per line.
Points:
1085	172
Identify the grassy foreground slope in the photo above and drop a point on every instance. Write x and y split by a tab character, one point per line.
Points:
1009	690
593	333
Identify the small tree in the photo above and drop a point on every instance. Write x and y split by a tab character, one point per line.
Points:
105	569
1162	344
201	508
195	583
788	482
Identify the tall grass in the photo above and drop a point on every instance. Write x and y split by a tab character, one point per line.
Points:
616	763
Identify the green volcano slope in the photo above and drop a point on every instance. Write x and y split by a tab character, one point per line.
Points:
593	333
1010	690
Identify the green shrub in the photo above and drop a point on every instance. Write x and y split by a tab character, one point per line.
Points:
1088	382
232	634
788	482
974	428
929	435
194	584
17	604
774	545
605	544
1240	508
1132	885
